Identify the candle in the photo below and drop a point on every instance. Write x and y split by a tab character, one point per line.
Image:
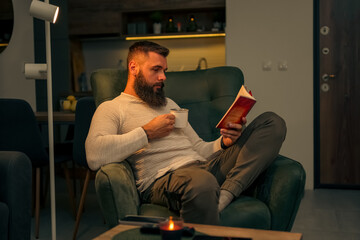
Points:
171	229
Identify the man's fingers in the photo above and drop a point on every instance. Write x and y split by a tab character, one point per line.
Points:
229	132
244	121
170	119
235	126
170	116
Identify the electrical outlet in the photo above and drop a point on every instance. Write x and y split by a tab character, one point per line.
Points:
283	65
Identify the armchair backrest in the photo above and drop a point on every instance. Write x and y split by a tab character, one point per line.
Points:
206	93
19	130
85	109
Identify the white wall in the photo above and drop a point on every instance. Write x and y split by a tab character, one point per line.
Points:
21	49
263	31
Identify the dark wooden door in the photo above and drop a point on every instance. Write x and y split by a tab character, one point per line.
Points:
339	92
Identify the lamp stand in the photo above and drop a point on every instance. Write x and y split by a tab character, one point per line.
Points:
50	129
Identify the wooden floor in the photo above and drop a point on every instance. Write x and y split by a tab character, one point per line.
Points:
329	214
323	214
91	224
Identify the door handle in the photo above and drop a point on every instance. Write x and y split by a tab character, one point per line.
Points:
326	77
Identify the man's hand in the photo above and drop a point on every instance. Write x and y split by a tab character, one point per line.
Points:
231	135
160	126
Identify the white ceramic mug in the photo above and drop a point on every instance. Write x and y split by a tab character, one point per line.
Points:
181	117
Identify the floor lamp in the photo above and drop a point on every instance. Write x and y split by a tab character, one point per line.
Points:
48	13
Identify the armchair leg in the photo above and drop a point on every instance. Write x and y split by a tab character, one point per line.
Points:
82	201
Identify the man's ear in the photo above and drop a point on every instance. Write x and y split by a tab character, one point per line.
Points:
133	68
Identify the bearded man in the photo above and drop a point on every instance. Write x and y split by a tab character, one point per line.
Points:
174	167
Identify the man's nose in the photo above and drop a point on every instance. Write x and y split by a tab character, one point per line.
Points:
162	76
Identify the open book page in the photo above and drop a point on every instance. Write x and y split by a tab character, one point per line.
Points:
241	106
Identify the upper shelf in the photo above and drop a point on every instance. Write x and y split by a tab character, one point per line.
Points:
173	21
86	20
176	36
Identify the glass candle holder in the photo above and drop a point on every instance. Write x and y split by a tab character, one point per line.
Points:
171	229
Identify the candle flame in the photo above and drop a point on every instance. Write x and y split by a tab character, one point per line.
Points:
171	225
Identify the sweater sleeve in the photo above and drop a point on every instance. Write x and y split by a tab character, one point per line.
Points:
104	144
206	149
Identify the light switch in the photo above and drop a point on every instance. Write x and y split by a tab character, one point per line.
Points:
266	65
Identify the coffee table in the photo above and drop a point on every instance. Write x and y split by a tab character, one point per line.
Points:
254	234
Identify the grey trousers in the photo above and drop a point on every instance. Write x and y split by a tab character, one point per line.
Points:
193	190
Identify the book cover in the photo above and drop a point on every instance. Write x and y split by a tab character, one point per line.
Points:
241	106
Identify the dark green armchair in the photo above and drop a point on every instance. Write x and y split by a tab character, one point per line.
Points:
15	195
271	202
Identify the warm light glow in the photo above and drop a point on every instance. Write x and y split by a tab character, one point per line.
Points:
56	15
3	44
204	35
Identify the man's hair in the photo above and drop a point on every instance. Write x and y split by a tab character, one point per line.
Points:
145	47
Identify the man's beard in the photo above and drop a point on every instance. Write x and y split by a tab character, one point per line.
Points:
147	94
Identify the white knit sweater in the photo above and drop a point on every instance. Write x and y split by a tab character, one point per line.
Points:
116	134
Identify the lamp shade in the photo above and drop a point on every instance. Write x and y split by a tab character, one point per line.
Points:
44	11
35	71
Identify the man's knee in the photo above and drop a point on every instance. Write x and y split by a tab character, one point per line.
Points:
200	202
203	188
277	123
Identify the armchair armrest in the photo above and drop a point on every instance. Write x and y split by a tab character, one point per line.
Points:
281	187
115	186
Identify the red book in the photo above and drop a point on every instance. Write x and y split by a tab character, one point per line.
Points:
241	106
